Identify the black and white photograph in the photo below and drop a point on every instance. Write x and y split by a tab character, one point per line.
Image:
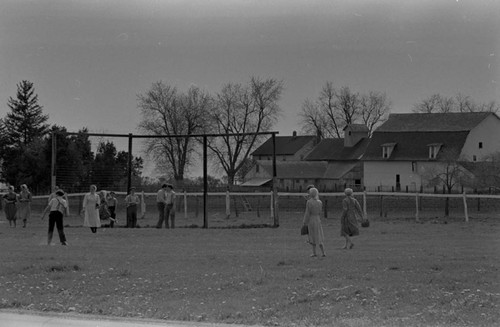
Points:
249	163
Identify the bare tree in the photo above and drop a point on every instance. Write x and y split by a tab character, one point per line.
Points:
437	103
448	173
165	111
374	109
313	120
336	108
242	109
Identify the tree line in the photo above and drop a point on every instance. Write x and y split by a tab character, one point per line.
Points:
234	112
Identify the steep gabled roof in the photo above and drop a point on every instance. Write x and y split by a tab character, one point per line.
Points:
285	145
434	122
295	169
307	169
414	145
357	127
334	150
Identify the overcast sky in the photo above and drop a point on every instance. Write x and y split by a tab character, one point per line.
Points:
89	59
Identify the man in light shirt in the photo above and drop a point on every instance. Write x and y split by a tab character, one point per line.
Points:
161	203
170	206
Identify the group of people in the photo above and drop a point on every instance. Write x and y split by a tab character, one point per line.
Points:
17	206
97	209
165	201
351	215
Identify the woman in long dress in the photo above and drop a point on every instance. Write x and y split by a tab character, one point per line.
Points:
312	219
24	204
351	212
91	203
10	207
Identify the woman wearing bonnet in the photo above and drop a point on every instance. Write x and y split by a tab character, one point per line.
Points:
312	219
351	211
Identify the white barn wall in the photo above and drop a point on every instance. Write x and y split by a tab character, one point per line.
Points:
383	174
487	132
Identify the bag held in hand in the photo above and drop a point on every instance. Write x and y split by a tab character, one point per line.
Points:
304	230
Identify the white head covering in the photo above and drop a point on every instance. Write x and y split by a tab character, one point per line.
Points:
314	193
348	191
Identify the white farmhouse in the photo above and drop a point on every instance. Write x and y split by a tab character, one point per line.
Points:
407	146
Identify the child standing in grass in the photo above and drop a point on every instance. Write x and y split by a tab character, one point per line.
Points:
10	207
132	201
24	205
112	202
57	207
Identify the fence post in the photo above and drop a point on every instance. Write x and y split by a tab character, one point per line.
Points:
364	205
326	209
258	206
381	205
272	204
196	206
465	208
228	205
185	205
416	207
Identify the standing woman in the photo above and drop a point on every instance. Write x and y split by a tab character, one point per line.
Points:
57	206
10	208
351	211
132	202
91	203
24	205
312	219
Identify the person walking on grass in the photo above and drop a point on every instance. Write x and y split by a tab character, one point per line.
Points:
351	212
132	201
24	204
112	203
10	206
104	214
160	204
312	219
57	207
90	209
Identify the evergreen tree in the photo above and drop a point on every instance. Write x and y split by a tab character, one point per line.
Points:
26	121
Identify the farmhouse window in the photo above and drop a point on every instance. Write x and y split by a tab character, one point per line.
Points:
480	145
387	149
433	150
413	166
474	158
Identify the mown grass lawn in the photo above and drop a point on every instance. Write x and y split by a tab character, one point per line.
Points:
400	273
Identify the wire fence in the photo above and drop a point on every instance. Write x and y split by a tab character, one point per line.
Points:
241	209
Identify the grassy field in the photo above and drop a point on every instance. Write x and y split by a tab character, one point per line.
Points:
400	273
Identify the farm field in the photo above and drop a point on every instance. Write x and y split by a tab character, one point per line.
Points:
439	272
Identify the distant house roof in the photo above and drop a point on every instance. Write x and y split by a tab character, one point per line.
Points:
357	127
413	145
295	169
285	145
434	122
307	169
334	150
256	182
337	170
